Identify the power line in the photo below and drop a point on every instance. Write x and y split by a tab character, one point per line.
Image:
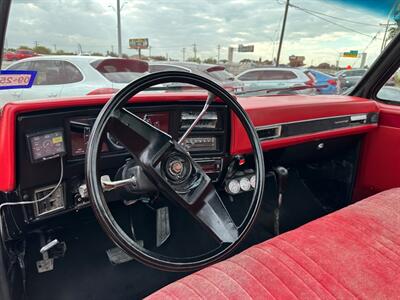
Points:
336	18
329	21
369	44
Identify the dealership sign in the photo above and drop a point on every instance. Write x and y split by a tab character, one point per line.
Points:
139	43
351	54
248	48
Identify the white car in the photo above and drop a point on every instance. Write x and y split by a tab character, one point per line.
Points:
64	76
276	78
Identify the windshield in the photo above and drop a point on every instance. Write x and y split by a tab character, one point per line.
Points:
250	47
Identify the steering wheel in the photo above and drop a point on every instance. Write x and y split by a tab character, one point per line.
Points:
168	167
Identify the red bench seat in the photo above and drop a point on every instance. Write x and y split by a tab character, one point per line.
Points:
351	253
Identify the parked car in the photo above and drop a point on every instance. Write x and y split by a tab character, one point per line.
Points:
19	54
328	82
276	78
348	78
62	76
216	73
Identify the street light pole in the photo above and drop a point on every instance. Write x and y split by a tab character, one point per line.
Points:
282	33
119	28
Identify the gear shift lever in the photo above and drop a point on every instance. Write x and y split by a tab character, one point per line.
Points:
281	175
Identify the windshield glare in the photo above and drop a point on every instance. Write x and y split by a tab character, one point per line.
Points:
74	49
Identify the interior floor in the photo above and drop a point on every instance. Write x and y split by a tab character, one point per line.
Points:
86	272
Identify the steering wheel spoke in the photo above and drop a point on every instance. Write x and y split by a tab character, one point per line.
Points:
138	136
214	216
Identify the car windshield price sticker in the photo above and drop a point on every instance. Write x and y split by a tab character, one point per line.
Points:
13	79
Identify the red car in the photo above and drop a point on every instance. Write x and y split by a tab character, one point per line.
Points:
19	54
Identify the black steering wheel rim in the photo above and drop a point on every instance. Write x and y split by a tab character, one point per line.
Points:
99	203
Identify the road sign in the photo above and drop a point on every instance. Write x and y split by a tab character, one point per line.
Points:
142	43
350	54
243	48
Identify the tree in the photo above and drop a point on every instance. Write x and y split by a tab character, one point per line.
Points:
42	50
210	60
97	54
392	32
245	61
323	66
196	60
159	58
267	62
24	47
62	52
112	54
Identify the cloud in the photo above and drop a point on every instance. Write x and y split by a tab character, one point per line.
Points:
172	25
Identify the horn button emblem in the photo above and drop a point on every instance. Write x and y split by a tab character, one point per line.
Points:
178	168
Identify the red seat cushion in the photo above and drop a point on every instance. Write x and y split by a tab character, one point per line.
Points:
352	253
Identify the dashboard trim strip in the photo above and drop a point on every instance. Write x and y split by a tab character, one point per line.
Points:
351	118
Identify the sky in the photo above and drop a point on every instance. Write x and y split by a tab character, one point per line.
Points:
171	25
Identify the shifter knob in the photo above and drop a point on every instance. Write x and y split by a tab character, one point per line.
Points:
282	175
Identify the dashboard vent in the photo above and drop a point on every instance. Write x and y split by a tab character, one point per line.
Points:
269	132
208	121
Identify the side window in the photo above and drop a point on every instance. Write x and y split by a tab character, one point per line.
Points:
47	72
25	66
358	73
391	90
249	76
52	72
277	75
70	73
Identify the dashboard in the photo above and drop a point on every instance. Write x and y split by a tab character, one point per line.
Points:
43	138
36	135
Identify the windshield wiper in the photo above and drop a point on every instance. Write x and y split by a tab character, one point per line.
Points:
292	88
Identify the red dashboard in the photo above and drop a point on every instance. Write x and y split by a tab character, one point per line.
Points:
263	111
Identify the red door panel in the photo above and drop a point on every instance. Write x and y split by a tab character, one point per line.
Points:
380	159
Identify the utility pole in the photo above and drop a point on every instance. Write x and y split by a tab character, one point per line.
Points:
36	43
112	48
183	54
55	48
219	51
195	50
282	33
119	29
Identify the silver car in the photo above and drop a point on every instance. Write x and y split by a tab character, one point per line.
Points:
216	73
277	78
64	76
